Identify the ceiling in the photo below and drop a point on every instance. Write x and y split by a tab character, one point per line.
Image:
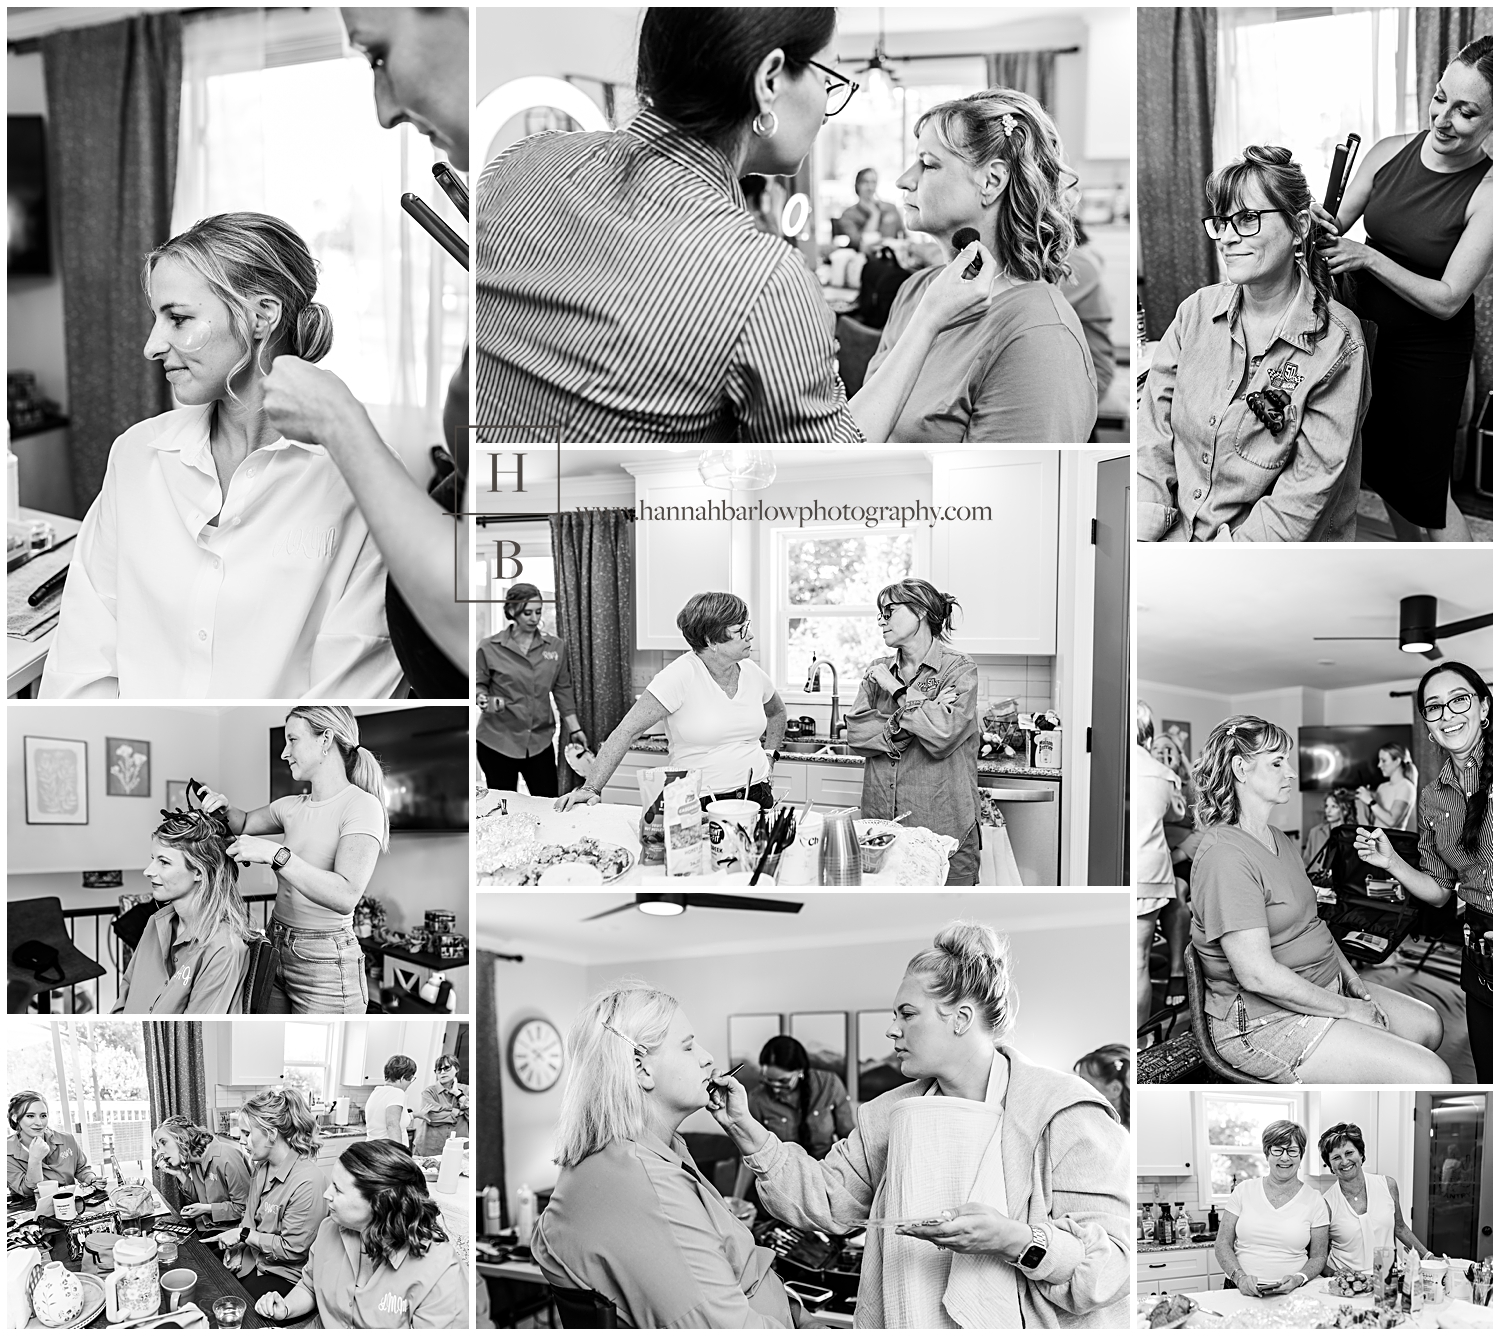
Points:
1218	618
550	924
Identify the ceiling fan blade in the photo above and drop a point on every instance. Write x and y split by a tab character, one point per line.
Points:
1356	637
1433	653
1460	628
629	904
708	900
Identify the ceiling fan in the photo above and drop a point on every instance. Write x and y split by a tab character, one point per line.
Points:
1419	630
665	905
879	62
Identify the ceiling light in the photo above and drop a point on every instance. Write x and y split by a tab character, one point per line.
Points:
1418	623
663	906
737	470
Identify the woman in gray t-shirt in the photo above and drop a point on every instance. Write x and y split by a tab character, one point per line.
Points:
1278	985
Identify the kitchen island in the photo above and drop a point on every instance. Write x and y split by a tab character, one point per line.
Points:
1310	1308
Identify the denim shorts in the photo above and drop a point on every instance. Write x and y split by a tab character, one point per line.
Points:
1270	1047
318	971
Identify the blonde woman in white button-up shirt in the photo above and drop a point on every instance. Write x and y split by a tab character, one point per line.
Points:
221	559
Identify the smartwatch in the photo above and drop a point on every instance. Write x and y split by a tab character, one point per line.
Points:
1036	1251
281	857
245	1234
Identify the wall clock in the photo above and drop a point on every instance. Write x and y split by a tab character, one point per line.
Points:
535	1055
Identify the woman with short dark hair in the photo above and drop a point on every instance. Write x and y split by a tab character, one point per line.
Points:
381	1258
723	714
1273	1233
800	1102
443	1111
916	722
518	673
624	291
1364	1210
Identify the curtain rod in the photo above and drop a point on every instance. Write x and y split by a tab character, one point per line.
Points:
25	46
972	55
1395	694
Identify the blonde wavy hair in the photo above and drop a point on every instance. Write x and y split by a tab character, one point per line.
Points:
1034	233
1244	735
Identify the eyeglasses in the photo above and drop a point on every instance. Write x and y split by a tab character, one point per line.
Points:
837	88
888	613
740	632
1285	1150
1246	222
1462	703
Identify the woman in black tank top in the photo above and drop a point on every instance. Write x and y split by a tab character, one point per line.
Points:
1429	225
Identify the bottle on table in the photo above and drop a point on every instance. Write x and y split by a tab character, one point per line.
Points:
1184	1225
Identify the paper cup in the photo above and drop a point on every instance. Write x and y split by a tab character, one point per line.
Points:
731	827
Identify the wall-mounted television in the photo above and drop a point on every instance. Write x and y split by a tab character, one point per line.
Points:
28	248
1345	757
424	752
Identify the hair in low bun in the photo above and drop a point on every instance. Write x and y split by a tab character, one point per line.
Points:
314	333
970	962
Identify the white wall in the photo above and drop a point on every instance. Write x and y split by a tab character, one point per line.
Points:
555	991
1202	709
1369	705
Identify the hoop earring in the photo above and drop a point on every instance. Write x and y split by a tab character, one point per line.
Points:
764	132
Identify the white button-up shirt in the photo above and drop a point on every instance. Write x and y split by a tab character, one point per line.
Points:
284	597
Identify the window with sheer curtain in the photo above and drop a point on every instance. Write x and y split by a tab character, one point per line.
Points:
1306	79
278	116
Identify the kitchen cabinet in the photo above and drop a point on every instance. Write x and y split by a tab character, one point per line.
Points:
677	558
383	1042
1003	573
257	1052
1162	1120
831	787
1178	1271
623	787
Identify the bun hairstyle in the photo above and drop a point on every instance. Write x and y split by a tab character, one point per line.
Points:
1239	735
338	723
1110	1063
696	67
1034	234
403	1215
518	596
1477	56
1286	188
1477	805
19	1103
245	256
203	840
284	1109
970	962
933	606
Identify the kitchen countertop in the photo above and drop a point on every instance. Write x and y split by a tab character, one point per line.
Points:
1142	1247
657	745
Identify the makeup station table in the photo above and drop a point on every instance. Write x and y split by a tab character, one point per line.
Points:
24	659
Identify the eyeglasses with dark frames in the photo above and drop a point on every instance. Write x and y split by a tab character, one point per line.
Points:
1462	703
1246	222
1284	1149
838	88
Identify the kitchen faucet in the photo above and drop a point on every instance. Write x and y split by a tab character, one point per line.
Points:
814	683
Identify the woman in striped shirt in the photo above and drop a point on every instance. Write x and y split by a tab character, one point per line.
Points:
624	291
1455	821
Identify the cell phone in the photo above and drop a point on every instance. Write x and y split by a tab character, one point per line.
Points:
1339	174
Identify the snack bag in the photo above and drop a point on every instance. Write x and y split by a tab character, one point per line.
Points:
685	829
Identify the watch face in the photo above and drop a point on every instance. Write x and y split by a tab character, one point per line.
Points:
536	1055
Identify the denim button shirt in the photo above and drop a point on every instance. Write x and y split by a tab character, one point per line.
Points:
1209	469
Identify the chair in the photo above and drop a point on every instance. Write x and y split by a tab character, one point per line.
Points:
584	1310
1196	990
260	973
93	1142
130	1144
42	955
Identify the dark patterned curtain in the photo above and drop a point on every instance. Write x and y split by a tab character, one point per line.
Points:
1025	71
488	1124
1176	51
593	558
174	1081
1441	35
112	100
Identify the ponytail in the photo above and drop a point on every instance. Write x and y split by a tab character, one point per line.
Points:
365	772
360	766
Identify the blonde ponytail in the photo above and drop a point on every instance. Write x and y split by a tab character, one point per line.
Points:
360	766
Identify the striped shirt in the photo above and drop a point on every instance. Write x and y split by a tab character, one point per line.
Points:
1441	809
625	294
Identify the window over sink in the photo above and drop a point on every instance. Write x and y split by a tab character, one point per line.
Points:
826	585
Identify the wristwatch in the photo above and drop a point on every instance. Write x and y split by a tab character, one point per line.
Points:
1036	1253
281	857
244	1233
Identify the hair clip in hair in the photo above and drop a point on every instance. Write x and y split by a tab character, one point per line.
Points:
1009	124
640	1048
1270	407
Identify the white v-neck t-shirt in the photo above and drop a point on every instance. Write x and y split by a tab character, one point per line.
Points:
709	731
1271	1243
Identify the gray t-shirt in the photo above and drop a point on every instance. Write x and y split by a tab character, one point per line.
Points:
1019	371
1239	884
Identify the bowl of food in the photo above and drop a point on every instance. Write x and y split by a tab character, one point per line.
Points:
1349	1284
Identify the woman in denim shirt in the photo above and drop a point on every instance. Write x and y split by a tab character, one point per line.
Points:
916	722
1250	417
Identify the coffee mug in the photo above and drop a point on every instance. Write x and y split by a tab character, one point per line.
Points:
178	1285
65	1203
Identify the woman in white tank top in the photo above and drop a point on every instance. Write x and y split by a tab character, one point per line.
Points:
1364	1210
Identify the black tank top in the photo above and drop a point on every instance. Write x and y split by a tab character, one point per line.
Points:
1416	217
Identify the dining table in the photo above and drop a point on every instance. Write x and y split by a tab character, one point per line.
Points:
215	1280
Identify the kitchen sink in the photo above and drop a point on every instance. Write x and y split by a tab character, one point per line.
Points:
811	746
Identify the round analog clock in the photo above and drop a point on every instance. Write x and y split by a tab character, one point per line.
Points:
536	1055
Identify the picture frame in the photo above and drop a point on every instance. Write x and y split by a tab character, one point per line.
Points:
1181	732
177	799
825	1036
127	768
56	779
876	1067
104	881
748	1034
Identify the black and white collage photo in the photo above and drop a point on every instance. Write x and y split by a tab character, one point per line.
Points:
612	719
